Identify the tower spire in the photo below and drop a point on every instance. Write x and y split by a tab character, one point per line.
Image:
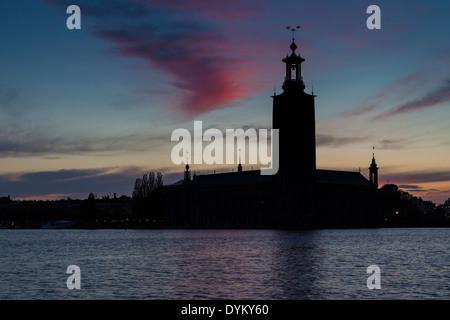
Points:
373	169
187	173
293	79
239	166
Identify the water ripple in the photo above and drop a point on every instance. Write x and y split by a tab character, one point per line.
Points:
225	264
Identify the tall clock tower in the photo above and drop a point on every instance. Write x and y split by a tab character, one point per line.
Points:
294	117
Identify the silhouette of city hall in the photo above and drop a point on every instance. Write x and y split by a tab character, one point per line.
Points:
298	196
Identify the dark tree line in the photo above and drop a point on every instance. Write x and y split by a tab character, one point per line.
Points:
90	212
398	206
145	186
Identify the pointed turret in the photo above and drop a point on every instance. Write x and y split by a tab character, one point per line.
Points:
373	170
239	169
187	174
293	79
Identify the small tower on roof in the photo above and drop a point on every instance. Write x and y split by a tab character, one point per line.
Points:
293	79
239	166
187	173
373	170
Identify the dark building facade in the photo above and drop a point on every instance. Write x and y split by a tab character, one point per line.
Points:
298	196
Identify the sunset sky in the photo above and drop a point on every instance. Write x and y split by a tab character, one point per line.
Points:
91	110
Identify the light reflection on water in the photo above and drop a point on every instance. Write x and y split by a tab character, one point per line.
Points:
225	264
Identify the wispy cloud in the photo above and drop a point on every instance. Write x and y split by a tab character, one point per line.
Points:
435	195
410	187
391	93
361	110
30	140
421	177
336	141
396	93
181	39
422	183
431	99
73	182
76	183
416	188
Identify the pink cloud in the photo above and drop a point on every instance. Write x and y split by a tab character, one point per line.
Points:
205	76
186	40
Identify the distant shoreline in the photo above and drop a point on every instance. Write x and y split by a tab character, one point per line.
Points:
400	223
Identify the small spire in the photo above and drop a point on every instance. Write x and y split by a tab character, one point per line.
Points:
373	157
187	174
373	169
293	46
293	78
239	166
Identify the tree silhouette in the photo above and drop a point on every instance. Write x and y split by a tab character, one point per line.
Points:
396	203
138	193
145	203
145	186
159	180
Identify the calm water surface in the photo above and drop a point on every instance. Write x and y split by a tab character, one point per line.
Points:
225	264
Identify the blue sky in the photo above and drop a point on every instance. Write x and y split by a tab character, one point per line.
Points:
91	110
